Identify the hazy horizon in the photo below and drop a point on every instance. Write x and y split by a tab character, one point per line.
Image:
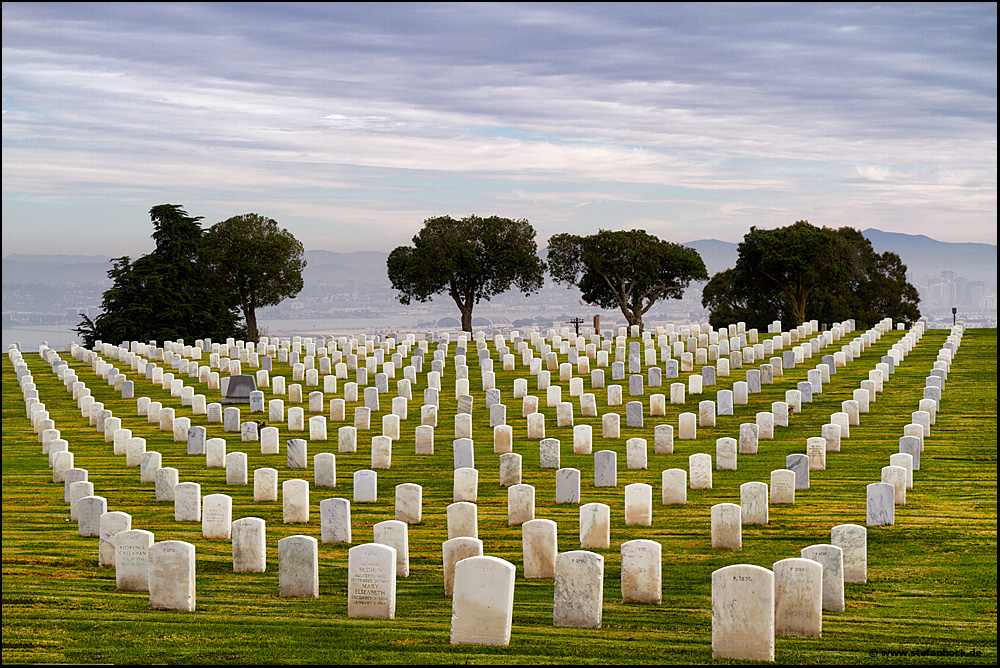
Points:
373	250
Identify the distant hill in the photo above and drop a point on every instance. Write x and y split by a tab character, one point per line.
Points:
55	270
331	268
922	255
717	255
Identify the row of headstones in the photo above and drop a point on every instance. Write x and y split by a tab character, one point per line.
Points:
183	509
638	501
316	428
235	453
899	474
247	436
103	421
728	518
60	458
298	565
801	588
88	509
235	461
271	345
245	350
235	477
384	607
783	481
746	630
166	569
134	448
153	453
751	605
777	343
298	373
883	497
188	502
166	479
178	387
817	448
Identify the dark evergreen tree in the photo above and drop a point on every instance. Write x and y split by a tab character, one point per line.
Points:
167	294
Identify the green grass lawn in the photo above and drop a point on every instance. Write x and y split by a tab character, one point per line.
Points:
931	590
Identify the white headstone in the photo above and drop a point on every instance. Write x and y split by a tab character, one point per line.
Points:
394	534
132	560
727	527
295	501
595	526
639	504
335	520
539	548
579	589
172	576
831	558
265	484
298	567
520	504
249	545
782	487
743	613
365	486
798	598
187	502
111	524
881	508
371	587
463	520
453	551
753	502
409	503
642	572
483	602
852	539
217	516
700	467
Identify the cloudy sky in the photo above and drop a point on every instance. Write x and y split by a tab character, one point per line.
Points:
350	124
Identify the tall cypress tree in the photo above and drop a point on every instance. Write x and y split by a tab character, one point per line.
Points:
166	294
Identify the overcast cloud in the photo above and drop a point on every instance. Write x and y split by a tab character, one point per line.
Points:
352	123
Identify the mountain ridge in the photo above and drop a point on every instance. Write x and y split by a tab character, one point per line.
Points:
923	256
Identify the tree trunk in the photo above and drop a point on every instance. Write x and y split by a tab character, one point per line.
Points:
634	317
250	314
799	310
467	319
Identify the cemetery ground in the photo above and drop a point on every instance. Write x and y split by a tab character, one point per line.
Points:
930	595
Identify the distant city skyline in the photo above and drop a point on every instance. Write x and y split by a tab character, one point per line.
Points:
352	123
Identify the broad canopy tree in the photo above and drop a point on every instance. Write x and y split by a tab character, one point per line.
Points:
469	260
803	272
260	263
166	294
629	270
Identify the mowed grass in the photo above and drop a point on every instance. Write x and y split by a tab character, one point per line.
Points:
930	595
